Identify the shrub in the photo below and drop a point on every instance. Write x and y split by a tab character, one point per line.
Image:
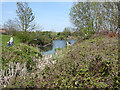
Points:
21	54
111	34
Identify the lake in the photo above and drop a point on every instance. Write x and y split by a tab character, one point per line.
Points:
58	44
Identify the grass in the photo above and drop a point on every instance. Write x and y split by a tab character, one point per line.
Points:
17	42
6	38
19	52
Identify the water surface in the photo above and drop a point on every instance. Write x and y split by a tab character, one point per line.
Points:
58	44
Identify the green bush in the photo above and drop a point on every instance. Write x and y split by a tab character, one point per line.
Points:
87	32
88	64
21	54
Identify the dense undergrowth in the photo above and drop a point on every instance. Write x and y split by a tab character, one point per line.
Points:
18	60
20	53
90	63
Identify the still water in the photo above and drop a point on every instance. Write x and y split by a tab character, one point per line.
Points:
58	44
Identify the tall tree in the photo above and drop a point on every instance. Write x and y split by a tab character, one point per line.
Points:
95	15
80	15
25	15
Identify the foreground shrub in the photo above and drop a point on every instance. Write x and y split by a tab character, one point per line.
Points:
21	54
89	64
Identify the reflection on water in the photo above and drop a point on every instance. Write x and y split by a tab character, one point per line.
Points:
58	44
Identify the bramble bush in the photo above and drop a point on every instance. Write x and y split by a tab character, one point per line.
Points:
21	54
88	64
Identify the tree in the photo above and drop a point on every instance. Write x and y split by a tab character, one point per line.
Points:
80	15
111	14
94	15
25	15
66	31
11	26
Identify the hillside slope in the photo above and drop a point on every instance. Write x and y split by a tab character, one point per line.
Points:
90	64
18	60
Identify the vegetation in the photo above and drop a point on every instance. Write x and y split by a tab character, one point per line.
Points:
25	16
6	38
18	60
89	63
84	14
92	62
11	26
18	53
